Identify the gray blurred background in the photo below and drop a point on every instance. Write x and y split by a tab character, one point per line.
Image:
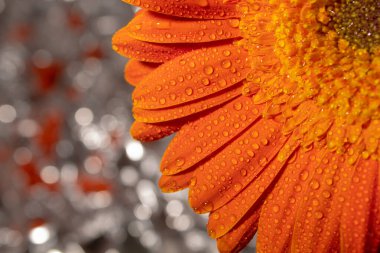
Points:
71	178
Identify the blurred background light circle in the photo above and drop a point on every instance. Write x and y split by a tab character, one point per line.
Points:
84	116
39	235
134	150
7	113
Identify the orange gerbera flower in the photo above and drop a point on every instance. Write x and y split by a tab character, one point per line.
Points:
276	105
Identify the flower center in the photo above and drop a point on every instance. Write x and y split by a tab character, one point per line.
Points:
357	22
316	66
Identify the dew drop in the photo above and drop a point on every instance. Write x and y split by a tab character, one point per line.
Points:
314	184
238	106
233	218
226	52
215	216
193	181
189	91
329	181
243	172
173	96
276	208
318	215
208	70
304	175
234	22
162	101
326	194
222	83
250	153
137	27
198	149
208	206
180	161
255	134
237	187
205	81
226	64
163	25
212	233
264	141
263	161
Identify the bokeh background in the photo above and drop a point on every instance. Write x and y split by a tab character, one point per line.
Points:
71	178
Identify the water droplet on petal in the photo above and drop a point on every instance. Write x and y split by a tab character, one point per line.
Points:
237	187
238	106
276	208
205	81
304	175
189	91
162	101
215	216
243	172
226	64
234	22
208	70
314	184
208	206
318	215
193	181
180	161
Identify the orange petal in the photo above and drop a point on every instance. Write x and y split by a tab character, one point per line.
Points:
282	203
360	225
212	132
222	177
192	76
175	182
151	132
316	226
153	27
178	112
232	212
203	9
136	70
240	235
150	52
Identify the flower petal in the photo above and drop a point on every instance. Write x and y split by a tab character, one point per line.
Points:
151	132
213	131
360	218
232	212
146	51
316	225
136	70
176	182
203	9
283	202
222	177
240	235
177	112
192	76
153	27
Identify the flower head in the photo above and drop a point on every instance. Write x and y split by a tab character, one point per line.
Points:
276	105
